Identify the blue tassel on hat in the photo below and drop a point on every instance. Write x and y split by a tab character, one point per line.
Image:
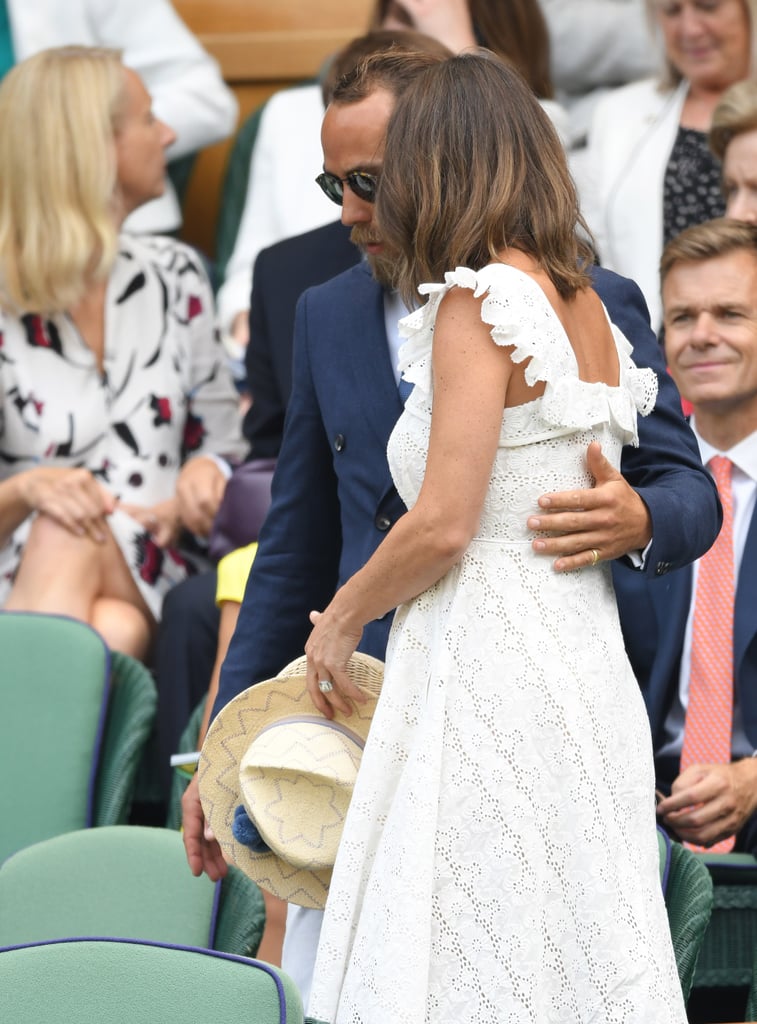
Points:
245	832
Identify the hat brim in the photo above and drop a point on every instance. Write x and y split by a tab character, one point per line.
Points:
229	736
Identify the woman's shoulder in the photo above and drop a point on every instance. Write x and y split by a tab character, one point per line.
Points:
170	255
491	275
508	300
636	100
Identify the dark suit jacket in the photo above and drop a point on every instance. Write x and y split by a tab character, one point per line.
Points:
333	497
653	615
282	273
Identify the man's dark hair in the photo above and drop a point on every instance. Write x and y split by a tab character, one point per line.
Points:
381	41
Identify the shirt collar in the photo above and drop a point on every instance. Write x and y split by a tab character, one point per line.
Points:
743	454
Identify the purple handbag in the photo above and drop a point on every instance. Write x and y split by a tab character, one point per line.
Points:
243	508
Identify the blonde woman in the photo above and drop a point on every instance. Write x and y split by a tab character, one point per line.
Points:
113	392
733	140
649	171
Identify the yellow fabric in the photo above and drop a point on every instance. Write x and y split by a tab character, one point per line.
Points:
233	570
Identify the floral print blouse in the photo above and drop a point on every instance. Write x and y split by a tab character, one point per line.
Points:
164	395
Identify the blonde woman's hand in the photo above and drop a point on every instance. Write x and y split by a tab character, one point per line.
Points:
70	496
328	650
162	521
199	491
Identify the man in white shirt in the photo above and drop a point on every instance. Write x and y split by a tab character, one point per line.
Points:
693	643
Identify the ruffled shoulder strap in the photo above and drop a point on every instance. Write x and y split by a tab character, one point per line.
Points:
514	307
520	316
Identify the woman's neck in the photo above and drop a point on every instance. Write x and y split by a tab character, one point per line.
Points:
699	106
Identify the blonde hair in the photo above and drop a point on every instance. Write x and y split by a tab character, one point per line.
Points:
59	110
736	113
670	76
707	241
473	165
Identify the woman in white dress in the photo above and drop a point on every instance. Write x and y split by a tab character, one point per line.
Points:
114	396
499	860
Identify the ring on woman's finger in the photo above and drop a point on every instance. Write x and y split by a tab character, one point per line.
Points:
325	686
594	556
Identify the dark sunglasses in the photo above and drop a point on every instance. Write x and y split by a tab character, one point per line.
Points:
362	183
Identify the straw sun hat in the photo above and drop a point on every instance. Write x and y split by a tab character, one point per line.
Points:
274	761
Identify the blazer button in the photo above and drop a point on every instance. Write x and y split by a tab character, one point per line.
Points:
383	523
339	443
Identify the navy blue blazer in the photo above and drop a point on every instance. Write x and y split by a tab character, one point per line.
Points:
333	499
282	273
653	615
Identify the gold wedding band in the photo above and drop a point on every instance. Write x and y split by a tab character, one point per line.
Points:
594	556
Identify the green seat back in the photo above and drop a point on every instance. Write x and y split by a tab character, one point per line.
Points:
728	951
125	881
112	982
234	187
131	713
751	1006
688	899
234	191
54	675
187	744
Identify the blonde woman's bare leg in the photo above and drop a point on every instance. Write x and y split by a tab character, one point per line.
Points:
64	574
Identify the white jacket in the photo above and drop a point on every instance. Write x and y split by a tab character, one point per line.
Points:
282	197
184	81
631	138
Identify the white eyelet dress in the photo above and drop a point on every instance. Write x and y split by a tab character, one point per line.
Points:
499	862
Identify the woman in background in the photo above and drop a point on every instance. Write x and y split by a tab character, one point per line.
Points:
733	140
649	172
113	391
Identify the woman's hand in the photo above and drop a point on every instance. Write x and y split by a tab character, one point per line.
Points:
72	497
162	521
328	650
199	490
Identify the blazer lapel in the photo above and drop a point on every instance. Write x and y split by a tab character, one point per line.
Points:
370	365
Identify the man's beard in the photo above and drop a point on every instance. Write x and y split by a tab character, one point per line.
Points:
383	267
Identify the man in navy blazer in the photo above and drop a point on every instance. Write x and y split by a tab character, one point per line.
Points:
333	499
333	496
710	302
282	273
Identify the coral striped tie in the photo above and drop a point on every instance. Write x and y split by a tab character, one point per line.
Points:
709	718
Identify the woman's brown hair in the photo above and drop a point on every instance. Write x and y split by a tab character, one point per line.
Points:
514	29
473	166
